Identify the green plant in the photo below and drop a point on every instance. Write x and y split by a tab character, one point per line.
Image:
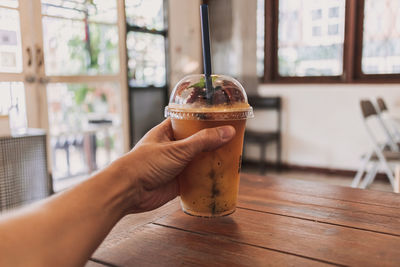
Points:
78	51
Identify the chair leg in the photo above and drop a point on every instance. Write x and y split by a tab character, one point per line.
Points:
370	176
397	180
262	159
390	176
361	170
279	155
372	179
387	168
66	148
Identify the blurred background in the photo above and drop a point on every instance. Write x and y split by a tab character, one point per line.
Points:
96	75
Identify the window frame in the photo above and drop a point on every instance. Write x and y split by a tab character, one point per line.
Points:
352	50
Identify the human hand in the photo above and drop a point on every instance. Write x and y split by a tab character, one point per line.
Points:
153	164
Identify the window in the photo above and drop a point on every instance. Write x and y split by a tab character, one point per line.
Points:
146	59
68	74
316	31
12	103
61	70
316	14
145	13
10	41
12	67
260	37
333	29
83	91
381	40
328	41
80	37
146	42
306	46
334	12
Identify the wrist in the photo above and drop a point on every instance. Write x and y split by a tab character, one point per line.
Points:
123	182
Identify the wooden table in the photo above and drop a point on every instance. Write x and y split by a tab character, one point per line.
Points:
277	222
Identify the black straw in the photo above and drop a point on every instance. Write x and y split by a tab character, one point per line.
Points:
205	38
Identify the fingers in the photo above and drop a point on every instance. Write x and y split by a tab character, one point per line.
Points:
207	140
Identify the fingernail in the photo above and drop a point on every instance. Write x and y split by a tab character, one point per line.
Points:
225	132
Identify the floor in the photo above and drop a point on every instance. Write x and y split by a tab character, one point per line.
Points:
379	184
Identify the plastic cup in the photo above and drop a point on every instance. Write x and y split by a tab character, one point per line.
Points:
209	184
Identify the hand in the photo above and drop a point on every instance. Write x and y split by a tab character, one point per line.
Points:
154	163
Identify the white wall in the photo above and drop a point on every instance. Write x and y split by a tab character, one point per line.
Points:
184	39
322	123
233	40
233	54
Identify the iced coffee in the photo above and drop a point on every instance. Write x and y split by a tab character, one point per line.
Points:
209	184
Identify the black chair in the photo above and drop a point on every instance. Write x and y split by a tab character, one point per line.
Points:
263	138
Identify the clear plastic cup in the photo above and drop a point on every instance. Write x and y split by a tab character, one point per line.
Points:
209	184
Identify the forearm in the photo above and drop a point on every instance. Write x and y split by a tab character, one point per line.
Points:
65	229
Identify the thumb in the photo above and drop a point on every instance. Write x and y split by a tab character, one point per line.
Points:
207	140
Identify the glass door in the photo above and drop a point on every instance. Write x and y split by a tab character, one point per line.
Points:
16	64
83	83
63	69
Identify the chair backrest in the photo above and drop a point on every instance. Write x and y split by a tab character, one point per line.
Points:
258	102
270	105
371	123
381	104
367	108
369	112
387	119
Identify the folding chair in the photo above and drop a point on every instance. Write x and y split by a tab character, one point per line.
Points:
391	123
379	156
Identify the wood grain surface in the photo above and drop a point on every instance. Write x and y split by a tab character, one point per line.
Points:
278	222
